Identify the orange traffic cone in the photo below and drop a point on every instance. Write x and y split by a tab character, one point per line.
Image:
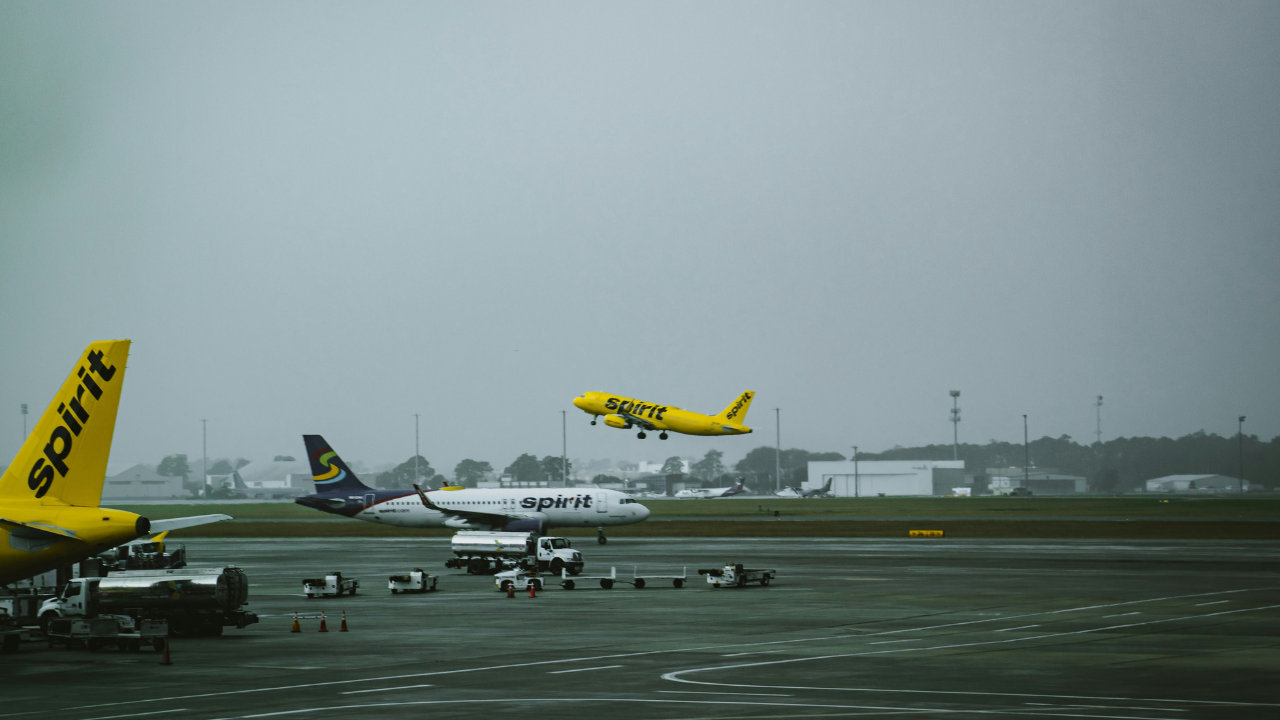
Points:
511	590
532	594
344	622
324	626
164	660
297	627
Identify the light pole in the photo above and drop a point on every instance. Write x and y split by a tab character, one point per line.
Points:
855	471
1240	432
564	450
777	456
955	424
204	457
1098	404
416	453
1026	456
24	422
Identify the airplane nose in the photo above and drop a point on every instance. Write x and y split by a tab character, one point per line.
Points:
644	512
579	401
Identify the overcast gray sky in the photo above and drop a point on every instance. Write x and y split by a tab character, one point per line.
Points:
323	218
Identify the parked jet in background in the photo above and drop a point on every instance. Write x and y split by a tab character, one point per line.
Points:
340	492
823	491
49	494
707	493
625	413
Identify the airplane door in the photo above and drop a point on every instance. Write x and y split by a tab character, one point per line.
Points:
369	499
602	502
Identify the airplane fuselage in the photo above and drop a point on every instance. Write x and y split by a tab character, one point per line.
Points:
625	412
485	509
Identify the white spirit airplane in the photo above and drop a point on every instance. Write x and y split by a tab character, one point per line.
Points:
340	492
737	489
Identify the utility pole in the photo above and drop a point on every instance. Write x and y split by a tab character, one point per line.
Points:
1098	404
564	449
1240	432
955	424
416	477
24	422
1026	456
855	471
204	456
777	457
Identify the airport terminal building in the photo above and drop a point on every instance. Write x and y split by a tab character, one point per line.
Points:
887	477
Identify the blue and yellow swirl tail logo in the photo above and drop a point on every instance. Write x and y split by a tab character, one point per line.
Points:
334	474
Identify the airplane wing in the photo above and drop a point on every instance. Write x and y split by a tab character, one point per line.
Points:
163	526
488	518
638	420
34	537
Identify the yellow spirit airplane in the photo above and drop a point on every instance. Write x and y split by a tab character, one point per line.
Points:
625	413
49	494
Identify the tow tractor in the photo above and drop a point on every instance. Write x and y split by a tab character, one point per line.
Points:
738	576
415	581
331	585
519	578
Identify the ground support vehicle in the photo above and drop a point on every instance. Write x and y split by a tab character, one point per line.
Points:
606	581
481	552
192	602
677	581
13	632
738	576
416	581
331	585
518	578
103	631
144	556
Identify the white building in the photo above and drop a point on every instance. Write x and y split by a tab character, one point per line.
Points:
1195	483
141	482
644	467
887	477
286	478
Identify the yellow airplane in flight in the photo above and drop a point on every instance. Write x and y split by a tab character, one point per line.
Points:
625	413
49	494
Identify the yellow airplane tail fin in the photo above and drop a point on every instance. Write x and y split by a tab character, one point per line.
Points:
737	412
65	456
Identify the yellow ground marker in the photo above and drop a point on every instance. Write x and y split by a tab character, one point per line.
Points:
925	533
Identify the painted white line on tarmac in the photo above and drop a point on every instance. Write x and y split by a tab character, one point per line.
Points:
887	642
402	687
1216	602
755	703
1107	707
132	715
648	652
760	652
1135	612
713	692
602	667
675	675
1024	627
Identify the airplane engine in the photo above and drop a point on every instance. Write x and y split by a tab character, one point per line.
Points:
616	421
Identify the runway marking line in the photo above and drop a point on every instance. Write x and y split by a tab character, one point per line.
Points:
661	652
755	703
675	675
1107	707
602	667
132	715
886	642
1216	602
1135	612
1024	627
761	652
713	692
402	687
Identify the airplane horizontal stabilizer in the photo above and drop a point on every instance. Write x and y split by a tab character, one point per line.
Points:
164	526
34	537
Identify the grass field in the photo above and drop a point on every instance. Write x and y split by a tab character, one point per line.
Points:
1086	517
891	507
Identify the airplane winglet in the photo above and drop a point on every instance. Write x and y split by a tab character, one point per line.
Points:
163	526
424	499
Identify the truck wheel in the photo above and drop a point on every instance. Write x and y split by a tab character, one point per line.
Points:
504	585
557	565
678	582
536	585
310	596
476	566
568	585
575	569
354	589
639	583
764	580
742	581
157	644
394	591
606	583
45	618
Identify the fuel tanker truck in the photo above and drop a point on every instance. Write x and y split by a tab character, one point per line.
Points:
484	553
193	601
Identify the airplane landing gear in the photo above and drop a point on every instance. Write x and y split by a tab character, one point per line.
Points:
593	422
600	538
662	436
641	435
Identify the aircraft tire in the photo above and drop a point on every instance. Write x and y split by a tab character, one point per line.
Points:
639	583
602	540
641	435
663	436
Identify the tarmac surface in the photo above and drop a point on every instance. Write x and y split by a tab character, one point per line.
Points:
850	628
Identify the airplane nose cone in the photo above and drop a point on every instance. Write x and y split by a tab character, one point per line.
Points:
644	512
579	402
